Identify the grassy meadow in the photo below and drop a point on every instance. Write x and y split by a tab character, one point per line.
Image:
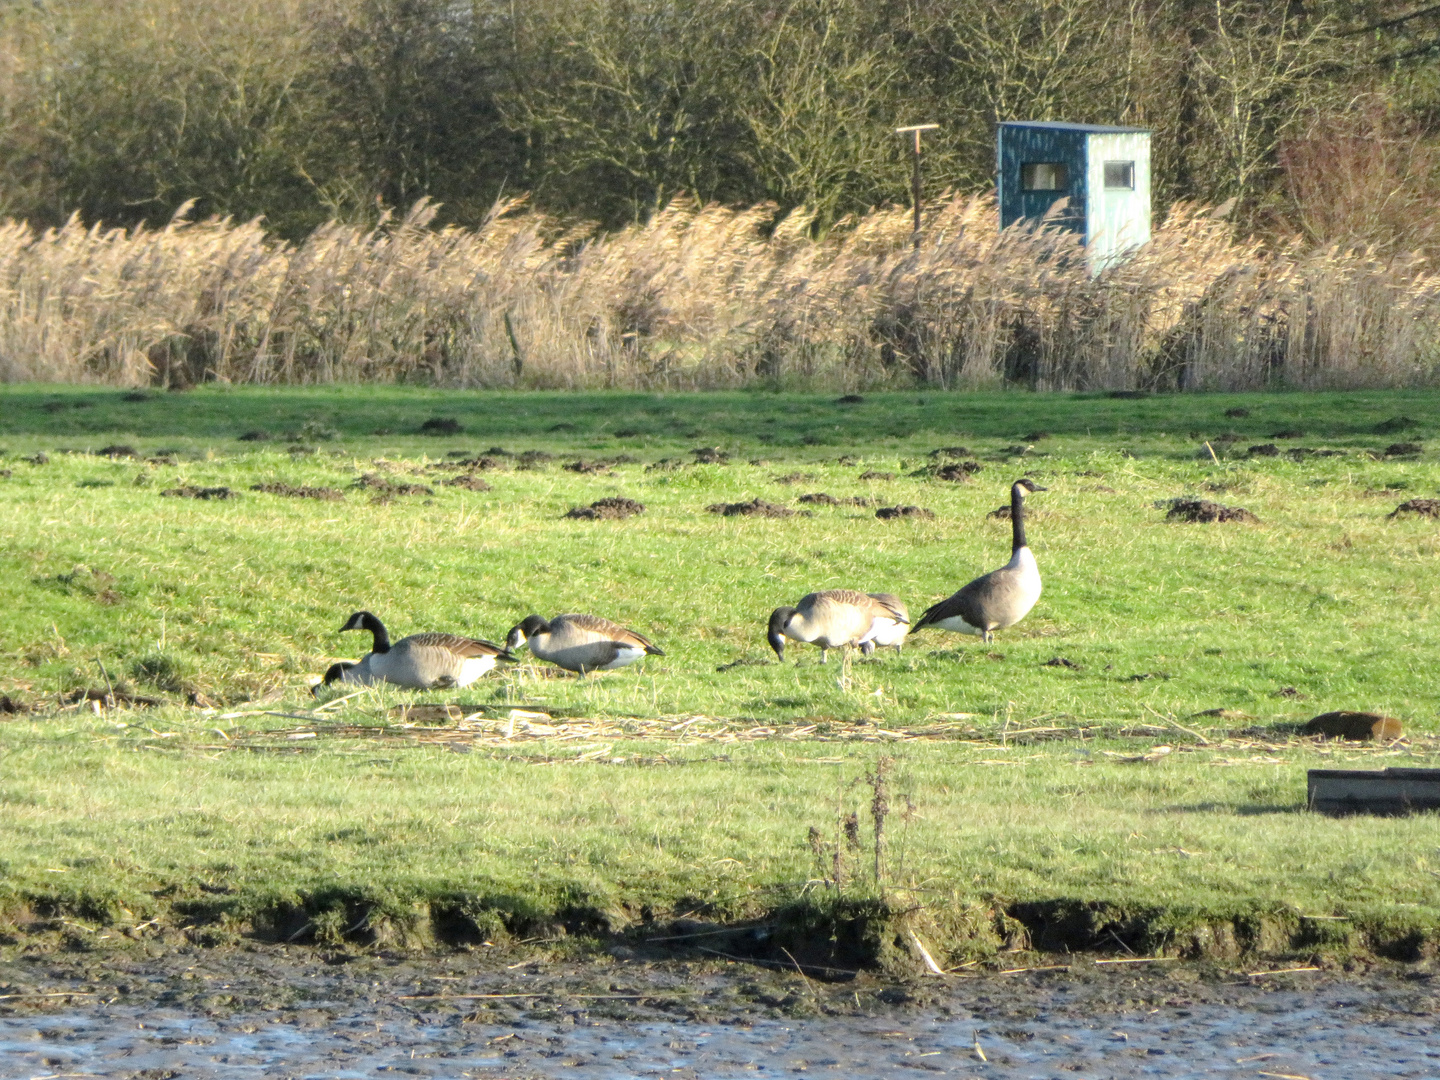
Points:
1155	768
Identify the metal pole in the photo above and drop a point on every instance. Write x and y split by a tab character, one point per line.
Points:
914	130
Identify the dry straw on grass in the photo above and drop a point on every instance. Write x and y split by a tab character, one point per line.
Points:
707	297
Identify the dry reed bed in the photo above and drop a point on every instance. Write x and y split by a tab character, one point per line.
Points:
707	297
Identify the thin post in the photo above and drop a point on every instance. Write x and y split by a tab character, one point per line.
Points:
914	130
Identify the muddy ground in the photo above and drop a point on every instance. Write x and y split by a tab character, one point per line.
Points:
272	1010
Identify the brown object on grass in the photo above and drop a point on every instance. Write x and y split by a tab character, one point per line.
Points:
890	513
468	481
190	491
1355	726
1399	449
382	486
753	508
710	455
119	450
959	473
1263	450
1204	511
324	494
611	509
875	475
1424	507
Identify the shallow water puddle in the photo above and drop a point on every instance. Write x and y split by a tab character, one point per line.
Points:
1355	1032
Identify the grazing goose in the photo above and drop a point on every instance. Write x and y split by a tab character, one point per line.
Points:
417	662
885	630
581	643
1000	598
838	618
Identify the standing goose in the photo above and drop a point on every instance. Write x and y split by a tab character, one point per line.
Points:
417	662
1000	598
581	643
838	618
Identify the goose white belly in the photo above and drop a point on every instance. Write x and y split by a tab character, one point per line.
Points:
473	668
884	632
590	656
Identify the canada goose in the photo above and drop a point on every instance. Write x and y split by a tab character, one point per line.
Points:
838	618
417	662
1000	598
581	643
887	631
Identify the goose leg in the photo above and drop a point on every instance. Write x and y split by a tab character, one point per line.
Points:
823	651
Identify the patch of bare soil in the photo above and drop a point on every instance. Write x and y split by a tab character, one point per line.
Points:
615	508
441	425
1404	449
1424	507
468	481
1263	450
191	491
119	450
793	478
876	475
1354	726
753	508
821	498
890	513
1204	511
710	455
293	491
389	488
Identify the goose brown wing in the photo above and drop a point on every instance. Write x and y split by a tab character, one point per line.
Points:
605	630
844	596
460	646
892	605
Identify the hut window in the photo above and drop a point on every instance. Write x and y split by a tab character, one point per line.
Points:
1120	175
1044	176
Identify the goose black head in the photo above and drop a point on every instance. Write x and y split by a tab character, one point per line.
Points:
363	620
523	631
775	633
1029	485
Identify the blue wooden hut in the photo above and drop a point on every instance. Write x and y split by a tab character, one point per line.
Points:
1103	171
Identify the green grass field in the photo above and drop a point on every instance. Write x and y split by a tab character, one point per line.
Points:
1019	777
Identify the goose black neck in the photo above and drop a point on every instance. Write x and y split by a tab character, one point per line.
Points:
1017	517
377	628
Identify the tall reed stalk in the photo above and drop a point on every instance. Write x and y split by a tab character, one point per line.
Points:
703	297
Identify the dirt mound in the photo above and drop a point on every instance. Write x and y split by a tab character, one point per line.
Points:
1425	507
876	475
135	397
793	478
257	435
119	450
611	509
1237	413
1395	425
383	486
324	494
1288	433
1000	513
710	455
1404	449
1354	726
532	459
1203	510
5	474
951	452
821	498
10	707
586	467
468	481
190	491
441	425
753	508
1263	450
890	513
667	464
958	473
849	399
